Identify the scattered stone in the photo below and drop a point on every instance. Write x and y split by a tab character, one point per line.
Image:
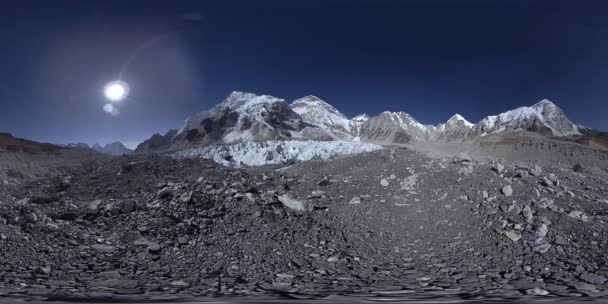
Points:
542	248
592	278
46	270
466	170
294	204
528	214
93	207
544	203
186	197
154	247
498	168
513	235
384	182
542	230
333	259
179	284
324	183
578	215
355	200
127	207
165	192
537	292
507	190
285	276
536	170
182	240
104	248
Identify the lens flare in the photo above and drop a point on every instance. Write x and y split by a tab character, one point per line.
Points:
111	109
116	90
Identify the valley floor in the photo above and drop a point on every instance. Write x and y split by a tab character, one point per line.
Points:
393	223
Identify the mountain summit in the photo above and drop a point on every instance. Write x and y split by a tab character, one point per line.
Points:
247	117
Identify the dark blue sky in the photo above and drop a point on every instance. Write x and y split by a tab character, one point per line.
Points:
429	58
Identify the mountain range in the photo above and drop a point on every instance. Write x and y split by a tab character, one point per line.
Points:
115	148
245	117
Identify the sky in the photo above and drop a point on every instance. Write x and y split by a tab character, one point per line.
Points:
430	58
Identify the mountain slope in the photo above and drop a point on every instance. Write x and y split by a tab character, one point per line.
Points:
544	117
246	117
241	117
317	112
394	127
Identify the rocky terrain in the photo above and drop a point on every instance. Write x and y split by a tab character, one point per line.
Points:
265	199
393	223
23	160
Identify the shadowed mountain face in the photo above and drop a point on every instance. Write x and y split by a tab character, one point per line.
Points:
8	143
245	117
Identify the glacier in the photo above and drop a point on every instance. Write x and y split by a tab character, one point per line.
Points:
275	152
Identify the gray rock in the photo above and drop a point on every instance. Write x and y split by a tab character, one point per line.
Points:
333	259
542	248
186	197
165	192
355	200
544	203
179	284
384	182
46	270
498	168
592	278
289	202
285	276
93	207
466	170
104	248
537	292
527	213
536	170
542	230
182	240
578	168
513	235
507	190
154	247
127	207
324	183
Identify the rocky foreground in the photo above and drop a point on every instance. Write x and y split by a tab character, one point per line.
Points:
390	223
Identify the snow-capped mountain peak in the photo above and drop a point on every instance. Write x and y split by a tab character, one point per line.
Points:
360	118
245	117
315	111
543	117
458	119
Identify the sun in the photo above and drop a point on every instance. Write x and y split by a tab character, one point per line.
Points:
116	90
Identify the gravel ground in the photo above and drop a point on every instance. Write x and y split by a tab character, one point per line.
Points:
390	224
